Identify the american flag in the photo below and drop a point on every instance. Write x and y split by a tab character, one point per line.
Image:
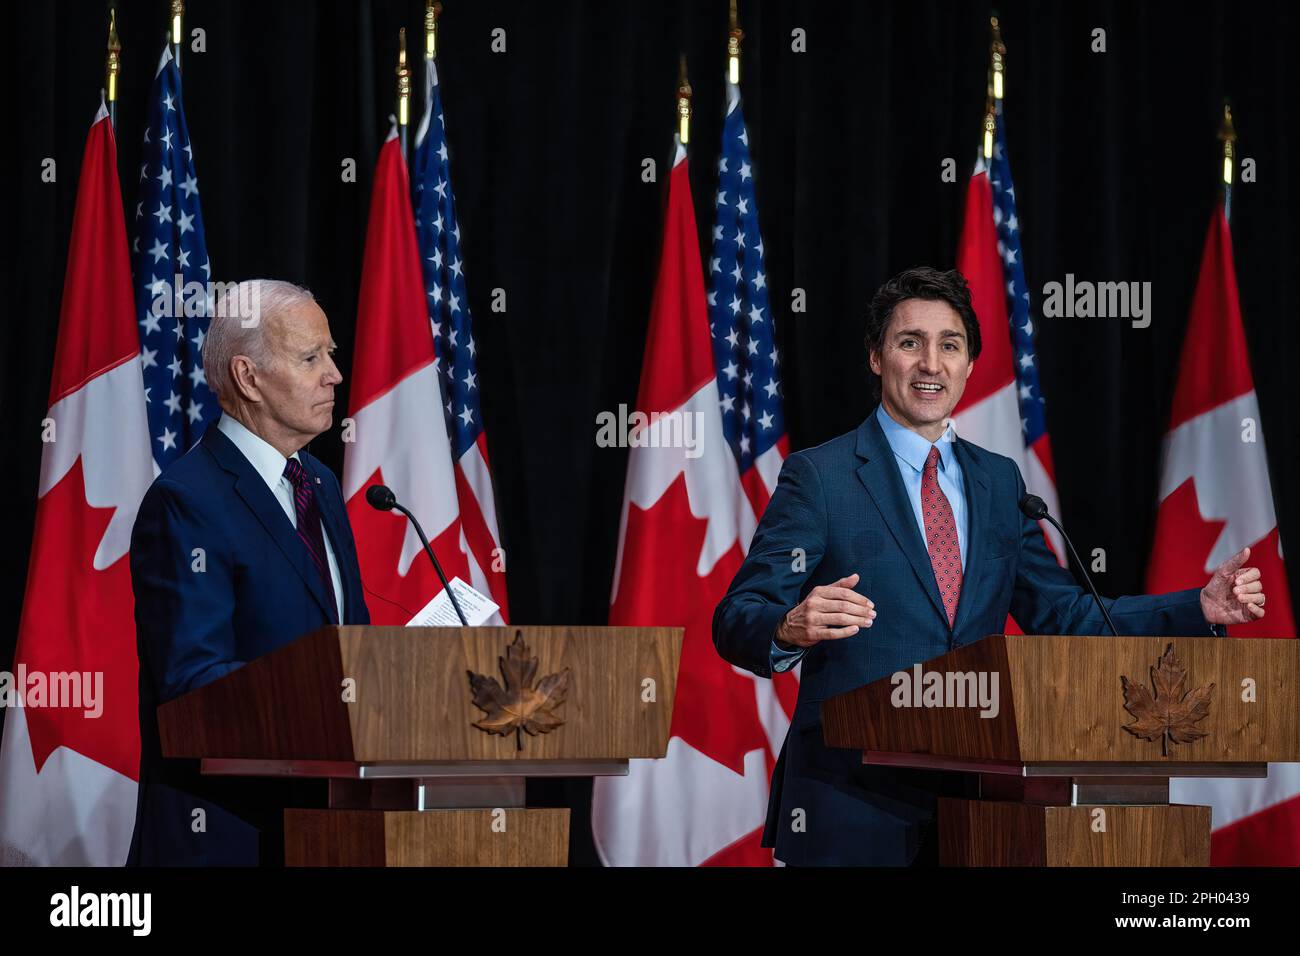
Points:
744	347
444	277
169	243
1033	420
453	335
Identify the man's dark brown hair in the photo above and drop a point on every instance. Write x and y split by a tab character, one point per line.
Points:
920	282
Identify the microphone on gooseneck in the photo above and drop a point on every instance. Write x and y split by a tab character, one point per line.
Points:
1034	507
381	498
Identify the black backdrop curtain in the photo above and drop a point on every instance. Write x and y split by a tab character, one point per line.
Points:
1114	156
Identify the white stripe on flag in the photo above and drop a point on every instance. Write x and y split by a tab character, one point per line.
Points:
692	805
75	812
419	471
1235	799
479	478
994	423
769	468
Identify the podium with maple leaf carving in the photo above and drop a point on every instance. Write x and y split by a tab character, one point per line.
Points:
428	735
1072	747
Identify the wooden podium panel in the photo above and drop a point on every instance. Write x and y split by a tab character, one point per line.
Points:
476	837
412	700
1002	833
1084	729
1061	700
445	722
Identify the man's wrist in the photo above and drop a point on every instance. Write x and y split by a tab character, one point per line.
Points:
778	637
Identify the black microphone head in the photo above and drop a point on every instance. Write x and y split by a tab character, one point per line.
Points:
1033	507
381	497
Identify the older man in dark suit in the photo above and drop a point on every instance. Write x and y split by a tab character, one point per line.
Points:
242	545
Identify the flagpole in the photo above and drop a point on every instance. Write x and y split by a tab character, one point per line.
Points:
683	103
1228	135
178	15
734	36
112	64
432	10
996	88
403	90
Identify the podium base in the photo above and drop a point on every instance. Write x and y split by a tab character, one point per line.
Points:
1003	833
504	836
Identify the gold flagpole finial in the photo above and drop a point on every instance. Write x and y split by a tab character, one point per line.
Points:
997	68
990	126
113	61
734	36
1228	135
432	10
403	81
997	59
178	29
683	103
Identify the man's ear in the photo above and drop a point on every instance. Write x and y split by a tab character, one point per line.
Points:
873	359
243	375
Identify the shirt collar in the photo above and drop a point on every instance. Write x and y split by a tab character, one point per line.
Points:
261	454
913	448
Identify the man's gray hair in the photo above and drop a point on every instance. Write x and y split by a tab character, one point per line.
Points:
240	314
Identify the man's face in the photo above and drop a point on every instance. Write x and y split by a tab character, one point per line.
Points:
298	387
923	364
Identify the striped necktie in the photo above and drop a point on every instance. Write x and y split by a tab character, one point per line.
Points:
941	536
309	525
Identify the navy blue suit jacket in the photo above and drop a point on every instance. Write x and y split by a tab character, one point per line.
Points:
845	505
258	590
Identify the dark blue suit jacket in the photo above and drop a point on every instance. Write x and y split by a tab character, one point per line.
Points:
258	591
845	505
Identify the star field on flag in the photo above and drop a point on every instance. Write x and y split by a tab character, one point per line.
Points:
168	226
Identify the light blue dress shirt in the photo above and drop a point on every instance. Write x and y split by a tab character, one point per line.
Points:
910	453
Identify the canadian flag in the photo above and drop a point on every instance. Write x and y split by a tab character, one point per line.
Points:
1215	499
396	434
69	766
685	528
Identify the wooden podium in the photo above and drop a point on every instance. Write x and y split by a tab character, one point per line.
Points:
1062	780
427	735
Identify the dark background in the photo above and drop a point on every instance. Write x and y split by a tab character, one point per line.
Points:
1114	156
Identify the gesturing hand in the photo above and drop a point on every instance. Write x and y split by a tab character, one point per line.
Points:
829	612
1235	595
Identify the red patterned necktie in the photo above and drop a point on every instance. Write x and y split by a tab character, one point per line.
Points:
941	536
309	525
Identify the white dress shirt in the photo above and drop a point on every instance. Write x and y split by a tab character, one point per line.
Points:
269	463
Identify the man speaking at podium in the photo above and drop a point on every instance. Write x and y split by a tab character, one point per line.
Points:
913	543
242	545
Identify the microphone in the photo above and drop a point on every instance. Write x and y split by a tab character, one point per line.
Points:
1034	507
381	498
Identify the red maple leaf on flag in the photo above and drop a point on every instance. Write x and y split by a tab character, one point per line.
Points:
67	526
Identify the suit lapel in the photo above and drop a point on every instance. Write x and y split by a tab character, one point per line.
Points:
336	523
262	502
976	482
879	473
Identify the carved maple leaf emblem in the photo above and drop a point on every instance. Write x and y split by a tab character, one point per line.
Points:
519	706
1169	714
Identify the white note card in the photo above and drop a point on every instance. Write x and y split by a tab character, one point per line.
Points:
478	608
